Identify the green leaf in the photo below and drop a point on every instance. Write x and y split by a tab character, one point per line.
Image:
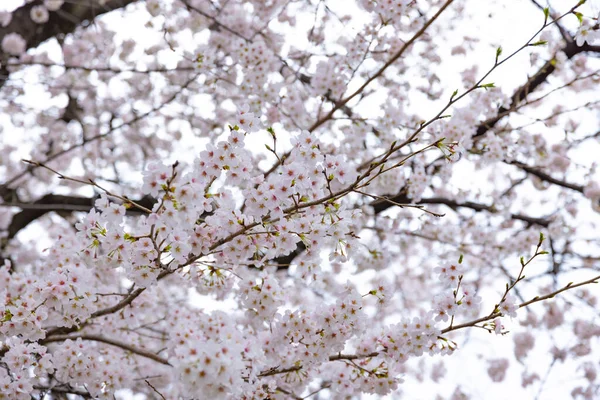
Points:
487	85
460	259
579	16
539	43
546	14
498	52
522	259
7	316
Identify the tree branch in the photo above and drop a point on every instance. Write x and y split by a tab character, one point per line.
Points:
63	390
571	50
276	371
112	342
342	103
58	203
381	205
546	177
61	22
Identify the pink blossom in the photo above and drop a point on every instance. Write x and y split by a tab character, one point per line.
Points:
39	14
5	18
14	44
497	369
53	5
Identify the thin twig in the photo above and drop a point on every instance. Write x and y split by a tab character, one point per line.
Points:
113	342
90	182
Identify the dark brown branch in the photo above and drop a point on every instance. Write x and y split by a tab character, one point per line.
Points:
537	79
5	187
63	389
216	25
359	91
563	32
61	22
381	205
283	262
337	357
58	203
112	342
546	177
114	70
105	311
383	68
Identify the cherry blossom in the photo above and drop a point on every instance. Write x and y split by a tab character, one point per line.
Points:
53	5
277	199
13	44
5	18
586	33
39	14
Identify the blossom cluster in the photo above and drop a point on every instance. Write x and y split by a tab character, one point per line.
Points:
318	205
13	43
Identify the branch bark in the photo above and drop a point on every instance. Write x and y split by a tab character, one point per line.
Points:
548	178
61	22
381	205
112	342
63	390
342	103
58	203
570	49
